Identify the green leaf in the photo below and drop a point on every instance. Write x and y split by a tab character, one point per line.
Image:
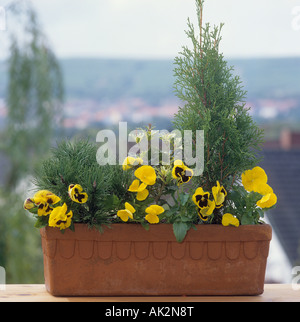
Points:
185	219
145	225
180	229
166	207
41	222
261	213
33	210
184	197
247	220
170	213
112	201
235	197
72	226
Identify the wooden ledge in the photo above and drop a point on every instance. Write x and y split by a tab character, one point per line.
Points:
38	293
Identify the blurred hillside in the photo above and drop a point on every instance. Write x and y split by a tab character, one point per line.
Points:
102	79
105	91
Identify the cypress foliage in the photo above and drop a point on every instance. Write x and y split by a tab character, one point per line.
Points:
214	101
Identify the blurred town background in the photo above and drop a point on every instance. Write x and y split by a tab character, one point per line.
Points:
72	68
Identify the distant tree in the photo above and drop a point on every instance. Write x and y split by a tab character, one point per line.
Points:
34	99
34	96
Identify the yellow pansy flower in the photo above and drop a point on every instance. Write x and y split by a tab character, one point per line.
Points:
201	198
219	194
129	162
230	220
76	194
44	209
136	186
267	201
263	189
142	195
254	179
126	213
146	174
45	196
203	218
44	199
181	172
60	218
207	211
140	188
152	213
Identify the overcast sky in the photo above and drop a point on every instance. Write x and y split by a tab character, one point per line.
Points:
155	28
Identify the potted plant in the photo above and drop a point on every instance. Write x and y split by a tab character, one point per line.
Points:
149	227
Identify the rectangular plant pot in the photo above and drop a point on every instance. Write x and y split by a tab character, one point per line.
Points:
128	260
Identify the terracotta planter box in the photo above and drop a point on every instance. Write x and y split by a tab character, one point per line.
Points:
128	260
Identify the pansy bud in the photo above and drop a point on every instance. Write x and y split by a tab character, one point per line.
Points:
29	204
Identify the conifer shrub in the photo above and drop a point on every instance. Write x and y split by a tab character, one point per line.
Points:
214	100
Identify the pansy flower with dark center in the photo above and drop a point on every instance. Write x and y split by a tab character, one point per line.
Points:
203	218
181	172
204	204
201	198
44	200
219	194
45	196
60	218
44	209
207	211
76	193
